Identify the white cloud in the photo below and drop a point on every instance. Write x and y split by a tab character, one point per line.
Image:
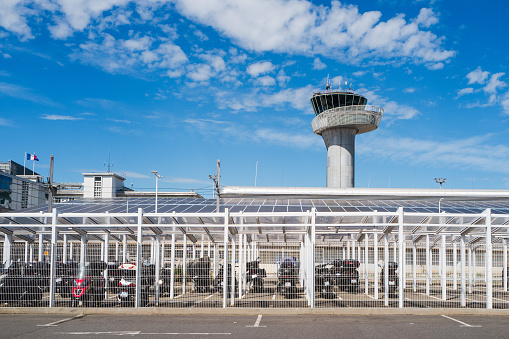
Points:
200	72
136	175
492	86
257	134
13	15
260	68
298	98
120	121
318	64
359	73
505	103
464	91
494	83
5	122
338	31
426	17
409	90
471	153
266	81
125	56
59	117
179	180
392	110
23	93
477	76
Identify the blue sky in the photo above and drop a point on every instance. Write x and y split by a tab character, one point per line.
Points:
175	85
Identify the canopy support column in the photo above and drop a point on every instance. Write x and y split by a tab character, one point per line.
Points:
463	272
184	264
7	250
64	249
172	265
401	258
489	262
386	269
366	285
225	262
375	256
504	263
138	258
53	254
429	274
414	268
158	268
444	269
454	266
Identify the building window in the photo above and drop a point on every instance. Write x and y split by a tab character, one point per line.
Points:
97	187
24	194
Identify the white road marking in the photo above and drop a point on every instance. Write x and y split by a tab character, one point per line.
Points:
133	333
461	322
191	333
257	323
63	320
115	333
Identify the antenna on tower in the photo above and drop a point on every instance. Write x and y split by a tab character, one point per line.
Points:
110	164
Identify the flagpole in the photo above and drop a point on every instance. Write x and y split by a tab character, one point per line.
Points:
33	166
25	164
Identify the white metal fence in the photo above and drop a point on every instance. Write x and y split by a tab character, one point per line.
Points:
250	260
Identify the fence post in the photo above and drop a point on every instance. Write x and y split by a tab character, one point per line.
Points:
53	254
375	258
429	274
444	268
504	263
489	261
158	268
463	272
225	261
172	264
401	258
414	267
138	257
312	259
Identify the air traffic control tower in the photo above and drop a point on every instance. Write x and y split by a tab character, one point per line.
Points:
340	116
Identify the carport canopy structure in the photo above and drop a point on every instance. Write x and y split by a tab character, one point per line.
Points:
311	222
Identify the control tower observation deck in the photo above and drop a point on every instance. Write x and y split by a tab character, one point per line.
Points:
340	116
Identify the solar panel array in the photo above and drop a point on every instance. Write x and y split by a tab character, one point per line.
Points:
253	205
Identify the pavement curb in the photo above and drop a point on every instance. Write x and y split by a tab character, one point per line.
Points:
253	311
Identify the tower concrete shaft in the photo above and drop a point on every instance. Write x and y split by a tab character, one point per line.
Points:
340	143
340	116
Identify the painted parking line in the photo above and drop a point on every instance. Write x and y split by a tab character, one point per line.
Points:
62	321
461	322
134	333
257	323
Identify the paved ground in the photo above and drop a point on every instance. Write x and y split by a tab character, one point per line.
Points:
158	326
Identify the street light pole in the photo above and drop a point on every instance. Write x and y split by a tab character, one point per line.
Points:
157	179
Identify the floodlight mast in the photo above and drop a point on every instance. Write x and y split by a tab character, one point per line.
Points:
441	181
216	179
339	117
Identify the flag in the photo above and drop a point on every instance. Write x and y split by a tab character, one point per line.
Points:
32	157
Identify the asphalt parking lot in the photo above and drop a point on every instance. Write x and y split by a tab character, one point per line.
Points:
252	326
